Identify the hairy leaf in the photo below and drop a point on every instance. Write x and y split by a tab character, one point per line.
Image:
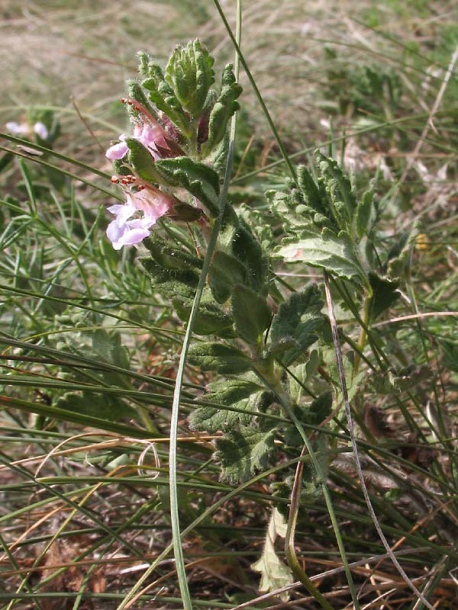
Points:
223	109
244	451
225	272
172	283
161	94
219	358
170	257
274	573
209	320
366	214
243	397
384	294
197	178
251	314
297	322
335	254
247	250
339	191
104	406
190	74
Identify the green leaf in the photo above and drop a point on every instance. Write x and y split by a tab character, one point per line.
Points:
274	573
401	380
210	319
219	358
251	314
297	323
169	257
320	409
384	294
335	254
247	250
313	414
197	178
239	394
366	214
223	109
228	392
162	95
104	407
399	254
244	451
171	283
339	191
190	74
225	272
314	198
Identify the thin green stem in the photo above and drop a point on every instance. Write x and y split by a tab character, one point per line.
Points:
259	97
362	340
173	462
285	401
351	430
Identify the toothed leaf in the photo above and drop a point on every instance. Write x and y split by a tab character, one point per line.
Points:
335	254
251	313
244	451
197	178
219	358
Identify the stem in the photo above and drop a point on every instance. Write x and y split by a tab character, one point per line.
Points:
285	402
257	93
351	430
362	340
173	462
289	539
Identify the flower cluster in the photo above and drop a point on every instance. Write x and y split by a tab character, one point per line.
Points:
134	219
145	203
178	141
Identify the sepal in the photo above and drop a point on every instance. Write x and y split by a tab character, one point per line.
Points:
190	74
222	110
142	162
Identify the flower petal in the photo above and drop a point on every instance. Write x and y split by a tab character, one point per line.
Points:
41	130
124	235
18	129
117	151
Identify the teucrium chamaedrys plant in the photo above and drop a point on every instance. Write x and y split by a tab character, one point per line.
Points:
262	346
171	171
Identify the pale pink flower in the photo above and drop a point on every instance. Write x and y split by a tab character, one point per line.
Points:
152	137
41	130
134	219
24	129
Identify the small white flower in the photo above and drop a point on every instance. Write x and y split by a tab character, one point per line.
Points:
18	129
41	130
26	130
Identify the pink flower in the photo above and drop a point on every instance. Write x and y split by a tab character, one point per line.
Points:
153	138
24	129
134	219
